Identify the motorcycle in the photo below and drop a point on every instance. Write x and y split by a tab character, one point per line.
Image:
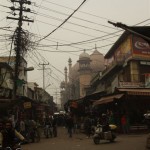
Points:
100	134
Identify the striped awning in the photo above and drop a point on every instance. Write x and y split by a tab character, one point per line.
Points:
144	92
107	99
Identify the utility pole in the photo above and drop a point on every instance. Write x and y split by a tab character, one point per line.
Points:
19	31
129	29
43	68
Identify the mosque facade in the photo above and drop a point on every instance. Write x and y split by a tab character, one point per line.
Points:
78	76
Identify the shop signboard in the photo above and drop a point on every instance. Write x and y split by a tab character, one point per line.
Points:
27	105
141	48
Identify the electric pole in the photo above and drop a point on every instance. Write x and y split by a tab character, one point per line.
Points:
129	29
43	68
18	39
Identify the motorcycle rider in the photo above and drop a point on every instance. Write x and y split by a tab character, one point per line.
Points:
8	135
104	121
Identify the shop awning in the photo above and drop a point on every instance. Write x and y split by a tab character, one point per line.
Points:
108	99
144	92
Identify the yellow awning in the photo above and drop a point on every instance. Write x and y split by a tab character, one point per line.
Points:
107	99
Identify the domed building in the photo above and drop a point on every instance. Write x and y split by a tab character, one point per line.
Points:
78	76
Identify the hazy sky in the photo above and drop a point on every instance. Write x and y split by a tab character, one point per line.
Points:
89	22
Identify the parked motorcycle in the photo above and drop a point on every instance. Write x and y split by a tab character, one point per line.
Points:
100	134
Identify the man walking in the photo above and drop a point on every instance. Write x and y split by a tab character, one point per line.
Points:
70	125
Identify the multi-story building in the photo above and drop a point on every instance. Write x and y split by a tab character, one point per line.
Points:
6	81
32	93
22	78
126	78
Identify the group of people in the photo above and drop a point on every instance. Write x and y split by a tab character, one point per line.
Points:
11	134
8	133
51	123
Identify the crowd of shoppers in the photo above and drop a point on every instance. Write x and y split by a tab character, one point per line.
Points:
88	123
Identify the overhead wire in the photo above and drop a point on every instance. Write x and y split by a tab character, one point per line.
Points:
78	11
85	41
86	27
39	66
81	19
65	29
63	21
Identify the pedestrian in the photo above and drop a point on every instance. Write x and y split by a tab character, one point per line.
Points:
124	124
54	125
87	126
69	124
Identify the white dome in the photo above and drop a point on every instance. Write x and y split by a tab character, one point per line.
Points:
97	61
84	55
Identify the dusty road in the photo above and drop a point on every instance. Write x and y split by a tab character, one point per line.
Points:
80	142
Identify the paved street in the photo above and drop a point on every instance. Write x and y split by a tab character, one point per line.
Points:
80	142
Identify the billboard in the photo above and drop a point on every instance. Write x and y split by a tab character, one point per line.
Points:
141	47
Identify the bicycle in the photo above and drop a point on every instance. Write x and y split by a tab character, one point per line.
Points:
33	135
47	131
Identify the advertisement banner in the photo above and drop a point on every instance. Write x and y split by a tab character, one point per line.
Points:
141	47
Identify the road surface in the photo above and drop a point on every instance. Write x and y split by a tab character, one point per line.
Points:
80	142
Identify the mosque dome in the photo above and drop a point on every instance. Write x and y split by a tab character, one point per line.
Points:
97	61
84	56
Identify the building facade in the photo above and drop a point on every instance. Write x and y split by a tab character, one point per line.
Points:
126	77
78	78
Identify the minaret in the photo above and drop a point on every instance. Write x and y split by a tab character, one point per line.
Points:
66	89
70	65
84	72
65	71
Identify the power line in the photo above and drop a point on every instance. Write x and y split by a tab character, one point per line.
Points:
85	41
65	29
63	21
79	11
81	19
86	27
